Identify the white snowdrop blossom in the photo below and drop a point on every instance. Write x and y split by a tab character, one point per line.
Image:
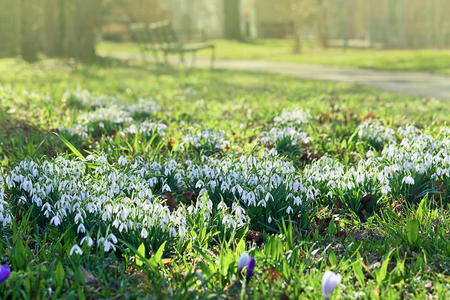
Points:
147	129
145	106
207	139
292	118
277	135
375	133
113	114
85	98
408	180
122	161
76	249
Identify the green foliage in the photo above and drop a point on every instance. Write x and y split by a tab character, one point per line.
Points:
412	228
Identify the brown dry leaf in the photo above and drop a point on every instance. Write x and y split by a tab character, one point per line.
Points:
254	236
397	206
170	144
366	198
88	277
190	195
167	261
325	116
170	201
273	274
283	296
368	116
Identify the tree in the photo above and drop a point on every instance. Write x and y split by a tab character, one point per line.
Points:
29	43
232	19
80	20
9	42
308	14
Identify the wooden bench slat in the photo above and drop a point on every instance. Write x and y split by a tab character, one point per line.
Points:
161	36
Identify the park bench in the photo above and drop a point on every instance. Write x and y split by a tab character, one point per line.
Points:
161	37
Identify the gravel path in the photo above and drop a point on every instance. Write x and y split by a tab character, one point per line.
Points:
412	83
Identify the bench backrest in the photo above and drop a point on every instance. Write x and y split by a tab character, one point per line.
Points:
158	35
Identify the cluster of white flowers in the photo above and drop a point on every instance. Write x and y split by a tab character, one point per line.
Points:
76	130
292	135
295	118
249	189
375	133
147	129
145	106
112	114
287	130
85	98
207	139
119	197
417	159
5	214
267	186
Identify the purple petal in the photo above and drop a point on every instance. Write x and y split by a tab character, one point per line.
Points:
5	271
250	268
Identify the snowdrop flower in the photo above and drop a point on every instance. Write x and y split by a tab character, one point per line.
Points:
166	188
88	240
55	220
122	161
330	281
144	233
408	180
289	210
76	249
243	261
5	271
385	189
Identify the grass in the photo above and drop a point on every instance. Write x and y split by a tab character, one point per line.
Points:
152	160
424	60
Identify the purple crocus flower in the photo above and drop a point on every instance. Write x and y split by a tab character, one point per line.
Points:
250	268
330	281
5	271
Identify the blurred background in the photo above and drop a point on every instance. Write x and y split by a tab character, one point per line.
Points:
63	28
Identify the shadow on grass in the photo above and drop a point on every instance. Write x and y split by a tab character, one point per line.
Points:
21	140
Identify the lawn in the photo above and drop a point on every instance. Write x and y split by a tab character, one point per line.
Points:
425	60
126	181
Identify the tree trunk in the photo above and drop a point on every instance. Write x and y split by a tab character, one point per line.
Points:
29	37
86	34
53	28
297	40
232	19
322	25
8	28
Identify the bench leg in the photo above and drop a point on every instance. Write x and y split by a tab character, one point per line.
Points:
182	58
155	56
213	56
193	58
142	55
